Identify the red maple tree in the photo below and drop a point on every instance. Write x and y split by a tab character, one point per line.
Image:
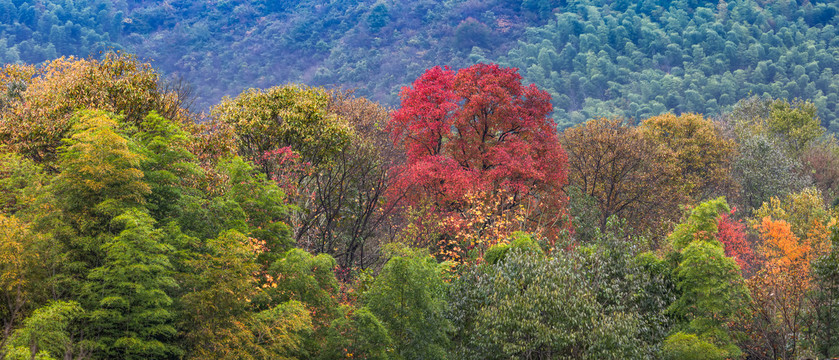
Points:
732	234
479	132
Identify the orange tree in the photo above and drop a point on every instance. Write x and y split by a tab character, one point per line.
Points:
779	291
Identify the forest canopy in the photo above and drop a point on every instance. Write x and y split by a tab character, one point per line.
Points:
595	58
606	197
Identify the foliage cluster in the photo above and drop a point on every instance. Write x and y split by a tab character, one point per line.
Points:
303	223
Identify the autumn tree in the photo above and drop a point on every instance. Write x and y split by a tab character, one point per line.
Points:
780	290
41	114
100	172
732	234
702	154
821	161
627	175
478	132
807	215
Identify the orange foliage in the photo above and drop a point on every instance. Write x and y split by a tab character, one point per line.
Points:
783	250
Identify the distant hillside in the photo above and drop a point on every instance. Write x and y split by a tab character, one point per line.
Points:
596	57
224	47
639	59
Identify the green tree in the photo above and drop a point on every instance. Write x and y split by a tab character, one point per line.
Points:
681	346
309	279
169	167
357	334
100	173
532	307
701	224
764	170
21	183
378	17
520	242
48	334
712	293
409	297
131	313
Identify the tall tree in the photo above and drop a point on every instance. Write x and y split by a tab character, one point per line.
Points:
627	175
702	154
131	314
479	132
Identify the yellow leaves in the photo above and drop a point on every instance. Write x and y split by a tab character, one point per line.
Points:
702	154
12	233
485	220
35	123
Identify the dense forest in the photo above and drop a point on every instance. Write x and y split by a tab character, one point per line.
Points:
586	180
300	222
597	58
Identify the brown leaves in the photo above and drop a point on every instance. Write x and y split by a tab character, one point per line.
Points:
628	175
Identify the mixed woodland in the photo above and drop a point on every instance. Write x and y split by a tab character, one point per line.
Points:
565	190
300	222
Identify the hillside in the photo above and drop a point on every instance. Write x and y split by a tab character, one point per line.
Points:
641	59
596	58
223	48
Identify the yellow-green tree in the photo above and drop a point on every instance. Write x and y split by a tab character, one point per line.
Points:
284	116
34	121
702	154
100	172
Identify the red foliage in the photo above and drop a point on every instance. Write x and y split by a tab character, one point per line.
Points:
477	131
732	234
